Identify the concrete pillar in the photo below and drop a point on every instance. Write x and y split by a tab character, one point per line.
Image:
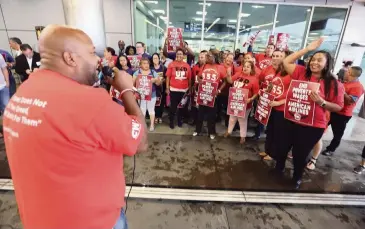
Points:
87	15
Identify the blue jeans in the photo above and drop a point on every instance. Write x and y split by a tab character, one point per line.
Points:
4	98
122	221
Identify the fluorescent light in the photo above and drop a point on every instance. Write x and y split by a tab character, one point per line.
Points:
163	18
232	21
170	23
154	25
313	33
150	13
200	13
159	11
198	19
151	2
207	4
309	10
215	21
258	6
140	3
244	15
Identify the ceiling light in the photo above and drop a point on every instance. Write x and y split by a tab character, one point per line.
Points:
151	2
170	22
159	11
244	15
309	10
198	19
215	21
200	13
207	4
154	25
257	6
140	3
232	21
312	33
150	13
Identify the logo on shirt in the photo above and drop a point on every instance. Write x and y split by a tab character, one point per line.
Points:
265	63
136	129
180	75
210	75
277	87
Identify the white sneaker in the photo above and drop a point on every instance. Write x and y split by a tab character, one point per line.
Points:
152	128
212	136
195	134
312	164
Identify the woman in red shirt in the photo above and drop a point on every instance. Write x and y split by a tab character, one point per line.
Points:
214	73
177	84
246	80
330	96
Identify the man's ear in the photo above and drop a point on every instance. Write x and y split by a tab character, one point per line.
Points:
69	58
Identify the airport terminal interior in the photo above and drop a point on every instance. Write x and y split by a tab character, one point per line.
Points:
185	181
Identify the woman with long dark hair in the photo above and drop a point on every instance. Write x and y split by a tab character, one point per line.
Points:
157	66
124	64
330	96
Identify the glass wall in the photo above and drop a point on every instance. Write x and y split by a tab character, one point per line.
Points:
293	20
256	18
327	22
226	27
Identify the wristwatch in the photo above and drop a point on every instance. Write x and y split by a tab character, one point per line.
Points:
323	104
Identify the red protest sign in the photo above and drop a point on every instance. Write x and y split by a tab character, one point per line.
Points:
299	107
174	39
134	61
184	100
206	93
282	41
263	109
237	102
271	40
144	87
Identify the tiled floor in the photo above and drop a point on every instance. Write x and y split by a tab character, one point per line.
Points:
186	215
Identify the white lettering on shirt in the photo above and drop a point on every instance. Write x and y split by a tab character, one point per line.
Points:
136	129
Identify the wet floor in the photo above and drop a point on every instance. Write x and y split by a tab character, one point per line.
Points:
183	215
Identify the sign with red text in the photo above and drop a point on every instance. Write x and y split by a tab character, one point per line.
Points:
237	102
144	87
299	107
251	39
271	40
174	39
206	93
263	109
135	59
282	41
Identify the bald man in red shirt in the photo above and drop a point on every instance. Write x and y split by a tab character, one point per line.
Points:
65	140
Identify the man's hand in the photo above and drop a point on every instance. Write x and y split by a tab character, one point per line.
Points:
275	103
122	81
28	71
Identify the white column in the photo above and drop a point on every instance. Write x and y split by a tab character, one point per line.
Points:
87	15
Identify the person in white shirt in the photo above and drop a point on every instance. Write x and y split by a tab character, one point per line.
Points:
15	44
4	84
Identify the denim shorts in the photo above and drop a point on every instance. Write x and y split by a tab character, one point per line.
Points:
122	221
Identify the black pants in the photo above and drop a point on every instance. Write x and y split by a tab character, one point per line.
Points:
210	112
175	98
274	132
194	114
363	153
301	139
160	109
338	123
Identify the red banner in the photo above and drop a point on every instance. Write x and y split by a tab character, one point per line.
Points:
206	93
282	41
174	39
134	61
237	102
263	109
144	87
299	107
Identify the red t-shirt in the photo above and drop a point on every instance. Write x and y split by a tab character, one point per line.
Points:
266	76
252	85
213	73
262	61
354	89
66	152
195	72
280	86
320	118
179	74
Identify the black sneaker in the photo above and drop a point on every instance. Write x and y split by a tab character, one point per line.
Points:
327	153
359	169
172	126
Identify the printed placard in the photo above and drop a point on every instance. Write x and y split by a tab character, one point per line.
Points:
144	87
135	59
299	107
271	40
237	102
282	41
206	93
263	109
174	39
184	100
158	100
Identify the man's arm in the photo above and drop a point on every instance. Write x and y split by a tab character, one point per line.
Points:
4	69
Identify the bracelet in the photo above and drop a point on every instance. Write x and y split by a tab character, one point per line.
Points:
126	90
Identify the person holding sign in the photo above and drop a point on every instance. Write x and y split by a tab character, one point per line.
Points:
301	131
246	80
146	80
178	78
209	78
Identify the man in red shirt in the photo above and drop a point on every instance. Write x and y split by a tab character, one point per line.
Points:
263	60
65	140
339	120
